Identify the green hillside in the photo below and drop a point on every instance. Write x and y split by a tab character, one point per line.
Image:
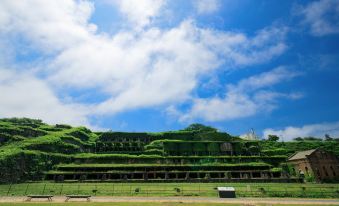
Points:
31	149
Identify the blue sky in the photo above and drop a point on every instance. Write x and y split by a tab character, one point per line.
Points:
157	65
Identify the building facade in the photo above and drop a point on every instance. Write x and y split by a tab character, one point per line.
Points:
323	165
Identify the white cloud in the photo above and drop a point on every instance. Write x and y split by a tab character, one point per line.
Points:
135	69
232	106
206	6
267	44
163	65
265	79
315	130
139	12
52	26
23	95
241	50
154	67
322	17
244	99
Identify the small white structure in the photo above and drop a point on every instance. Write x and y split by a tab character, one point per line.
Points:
226	192
250	135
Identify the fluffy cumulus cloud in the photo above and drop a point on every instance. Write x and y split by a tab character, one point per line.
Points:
314	130
139	12
133	68
51	26
158	66
246	98
322	17
23	95
206	6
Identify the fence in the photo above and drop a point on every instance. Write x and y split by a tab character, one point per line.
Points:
171	189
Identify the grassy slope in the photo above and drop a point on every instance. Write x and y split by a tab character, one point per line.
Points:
29	147
37	136
39	147
288	148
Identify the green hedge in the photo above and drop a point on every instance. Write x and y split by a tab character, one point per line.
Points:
26	165
278	151
294	146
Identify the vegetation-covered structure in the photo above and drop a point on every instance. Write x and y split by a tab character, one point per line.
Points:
33	150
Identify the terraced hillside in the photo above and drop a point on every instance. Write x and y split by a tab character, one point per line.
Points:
33	150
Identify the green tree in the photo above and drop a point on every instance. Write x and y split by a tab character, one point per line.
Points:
273	138
328	137
298	139
312	139
200	128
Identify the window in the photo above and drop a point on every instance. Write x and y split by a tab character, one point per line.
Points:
325	171
306	170
334	174
318	172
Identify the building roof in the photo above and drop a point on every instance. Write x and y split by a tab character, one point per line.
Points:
301	154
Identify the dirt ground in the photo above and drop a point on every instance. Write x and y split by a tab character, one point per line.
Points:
246	201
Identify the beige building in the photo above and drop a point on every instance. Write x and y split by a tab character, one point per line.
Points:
323	165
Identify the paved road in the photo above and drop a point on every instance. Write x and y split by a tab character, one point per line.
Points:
249	201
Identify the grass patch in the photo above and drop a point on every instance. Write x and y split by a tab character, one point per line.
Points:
172	189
